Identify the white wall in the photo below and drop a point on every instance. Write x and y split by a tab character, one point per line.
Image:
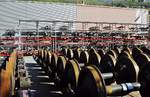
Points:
141	16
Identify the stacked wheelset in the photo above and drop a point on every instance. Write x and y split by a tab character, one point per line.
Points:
7	75
73	69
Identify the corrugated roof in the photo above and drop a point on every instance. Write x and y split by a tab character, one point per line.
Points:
12	12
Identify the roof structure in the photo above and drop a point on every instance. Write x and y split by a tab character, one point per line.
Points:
12	12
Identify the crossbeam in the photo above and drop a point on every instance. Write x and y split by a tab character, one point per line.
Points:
58	21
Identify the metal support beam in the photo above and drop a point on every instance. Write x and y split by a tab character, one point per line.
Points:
37	31
54	42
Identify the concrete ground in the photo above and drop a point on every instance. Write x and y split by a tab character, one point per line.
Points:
41	85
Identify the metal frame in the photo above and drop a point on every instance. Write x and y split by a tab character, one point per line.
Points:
103	27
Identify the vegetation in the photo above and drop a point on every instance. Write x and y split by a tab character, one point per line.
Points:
117	3
132	4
